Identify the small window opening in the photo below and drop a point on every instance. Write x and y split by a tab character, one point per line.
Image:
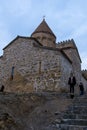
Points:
12	72
40	67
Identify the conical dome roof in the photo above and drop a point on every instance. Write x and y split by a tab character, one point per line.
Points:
44	35
44	28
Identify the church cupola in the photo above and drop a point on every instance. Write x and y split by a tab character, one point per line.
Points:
44	35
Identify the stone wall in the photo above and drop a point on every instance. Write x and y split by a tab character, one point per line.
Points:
84	73
66	70
37	67
1	70
70	49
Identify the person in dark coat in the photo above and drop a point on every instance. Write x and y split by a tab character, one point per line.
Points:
81	88
2	88
72	83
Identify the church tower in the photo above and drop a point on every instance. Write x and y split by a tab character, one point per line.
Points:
44	35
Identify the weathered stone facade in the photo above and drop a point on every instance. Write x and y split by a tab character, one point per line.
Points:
39	66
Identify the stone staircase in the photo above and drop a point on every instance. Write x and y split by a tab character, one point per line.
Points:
75	117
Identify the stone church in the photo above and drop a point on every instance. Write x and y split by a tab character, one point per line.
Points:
38	63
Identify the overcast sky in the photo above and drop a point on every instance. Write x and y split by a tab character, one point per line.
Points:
66	18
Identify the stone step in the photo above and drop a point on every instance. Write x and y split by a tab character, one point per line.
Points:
77	108
71	127
81	100
77	111
75	116
80	103
81	122
82	112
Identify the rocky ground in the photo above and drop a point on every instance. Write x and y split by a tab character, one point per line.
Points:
32	111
